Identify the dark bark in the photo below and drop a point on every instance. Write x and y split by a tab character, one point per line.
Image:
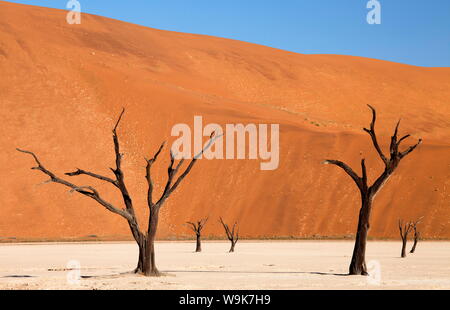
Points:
147	248
232	234
405	229
416	240
145	240
358	263
141	257
416	235
232	246
403	253
198	247
368	193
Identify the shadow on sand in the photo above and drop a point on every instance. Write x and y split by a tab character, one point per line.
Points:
261	272
173	272
19	276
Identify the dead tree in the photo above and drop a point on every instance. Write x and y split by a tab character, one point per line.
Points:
197	227
232	234
368	192
405	229
145	239
416	234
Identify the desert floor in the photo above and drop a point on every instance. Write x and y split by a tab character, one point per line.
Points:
254	265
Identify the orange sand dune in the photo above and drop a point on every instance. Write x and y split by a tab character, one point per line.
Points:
62	86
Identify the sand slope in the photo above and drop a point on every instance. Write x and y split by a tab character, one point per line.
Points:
61	87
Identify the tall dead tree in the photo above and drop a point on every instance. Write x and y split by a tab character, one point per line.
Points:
368	192
145	239
232	234
416	234
405	229
197	227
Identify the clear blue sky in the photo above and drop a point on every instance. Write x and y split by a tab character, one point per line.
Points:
415	32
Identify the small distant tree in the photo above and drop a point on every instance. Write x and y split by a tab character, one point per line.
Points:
416	234
405	229
232	234
197	227
368	192
145	239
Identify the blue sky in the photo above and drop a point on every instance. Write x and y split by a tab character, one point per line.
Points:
415	32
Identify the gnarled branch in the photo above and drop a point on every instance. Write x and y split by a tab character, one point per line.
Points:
391	163
373	135
232	234
405	228
87	191
118	170
148	176
173	182
94	175
410	149
198	226
358	180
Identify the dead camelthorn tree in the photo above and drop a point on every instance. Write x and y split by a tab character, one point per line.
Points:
405	229
368	192
145	239
197	227
232	234
416	234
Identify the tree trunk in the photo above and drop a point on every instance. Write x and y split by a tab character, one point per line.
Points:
199	244
141	258
146	264
416	239
232	246
413	249
358	263
404	240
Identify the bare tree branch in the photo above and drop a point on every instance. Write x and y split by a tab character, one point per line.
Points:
119	173
227	229
148	175
347	169
416	234
198	226
171	186
203	222
193	227
373	135
364	174
94	175
92	193
410	149
403	138
394	146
